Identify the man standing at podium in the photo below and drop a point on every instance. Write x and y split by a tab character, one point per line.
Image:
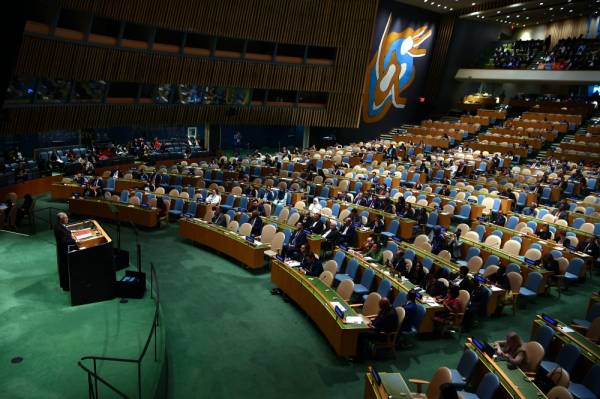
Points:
63	240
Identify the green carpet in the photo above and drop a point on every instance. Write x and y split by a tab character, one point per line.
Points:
228	337
39	325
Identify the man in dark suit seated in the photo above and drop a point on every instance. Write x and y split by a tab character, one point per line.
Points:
391	153
218	217
499	219
269	195
355	217
384	323
297	239
315	225
360	199
347	233
94	188
251	192
329	236
257	206
445	190
545	233
256	223
64	239
463	281
398	262
80	179
312	266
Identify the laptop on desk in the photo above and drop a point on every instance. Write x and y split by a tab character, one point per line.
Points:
483	346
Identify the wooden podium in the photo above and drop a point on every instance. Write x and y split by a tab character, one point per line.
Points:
91	271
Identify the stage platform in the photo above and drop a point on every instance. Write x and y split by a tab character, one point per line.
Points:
40	326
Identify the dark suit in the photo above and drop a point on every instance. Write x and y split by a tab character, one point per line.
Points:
347	234
97	182
297	239
260	209
466	284
268	196
386	322
391	153
219	220
315	269
257	225
331	237
63	240
316	227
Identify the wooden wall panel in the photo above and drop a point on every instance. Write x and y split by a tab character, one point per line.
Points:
318	22
81	62
53	117
346	25
440	52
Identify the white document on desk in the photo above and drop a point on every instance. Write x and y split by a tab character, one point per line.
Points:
566	329
430	301
353	320
495	288
293	263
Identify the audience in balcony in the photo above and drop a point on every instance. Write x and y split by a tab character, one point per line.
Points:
568	54
516	55
572	54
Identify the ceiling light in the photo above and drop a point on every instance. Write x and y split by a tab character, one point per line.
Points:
551	8
562	8
445	7
541	4
570	10
472	4
498	12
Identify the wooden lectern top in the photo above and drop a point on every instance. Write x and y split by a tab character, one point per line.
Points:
88	234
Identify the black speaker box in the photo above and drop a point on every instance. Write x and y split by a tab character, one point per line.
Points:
132	285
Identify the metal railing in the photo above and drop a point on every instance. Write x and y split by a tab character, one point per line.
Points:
94	379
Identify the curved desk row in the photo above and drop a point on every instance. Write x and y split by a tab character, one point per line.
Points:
224	241
563	334
514	383
117	211
316	299
505	258
497	293
399	284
